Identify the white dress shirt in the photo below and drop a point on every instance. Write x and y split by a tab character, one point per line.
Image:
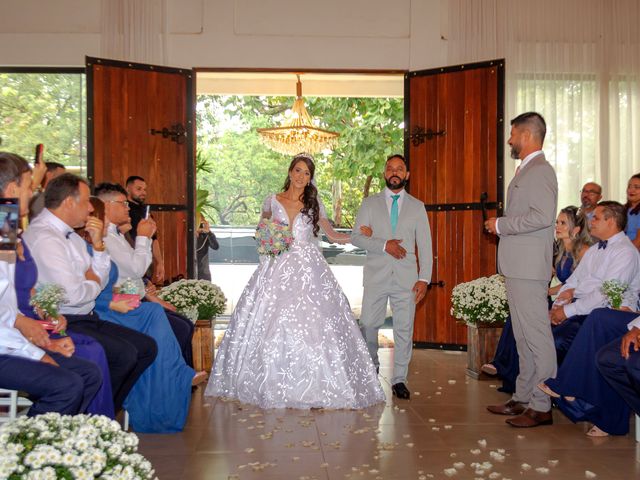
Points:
132	262
387	195
620	260
62	258
12	342
524	161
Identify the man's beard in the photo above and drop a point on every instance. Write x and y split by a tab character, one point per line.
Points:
138	199
515	152
395	186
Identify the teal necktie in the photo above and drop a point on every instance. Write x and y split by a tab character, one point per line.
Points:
394	213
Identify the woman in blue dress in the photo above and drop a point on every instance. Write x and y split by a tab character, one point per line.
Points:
572	241
633	209
159	400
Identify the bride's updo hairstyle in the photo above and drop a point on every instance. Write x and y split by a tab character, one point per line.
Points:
309	197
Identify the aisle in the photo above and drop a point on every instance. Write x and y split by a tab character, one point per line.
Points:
439	434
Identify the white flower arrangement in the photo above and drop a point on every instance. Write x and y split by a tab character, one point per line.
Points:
53	446
196	299
48	298
614	290
483	300
128	287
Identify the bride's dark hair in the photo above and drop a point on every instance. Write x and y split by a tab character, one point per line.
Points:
309	197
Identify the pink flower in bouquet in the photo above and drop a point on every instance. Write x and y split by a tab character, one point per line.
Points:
273	237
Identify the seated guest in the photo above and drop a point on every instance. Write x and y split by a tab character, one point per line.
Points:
581	392
619	364
572	240
613	258
55	381
633	209
132	262
62	258
166	384
590	195
16	182
53	170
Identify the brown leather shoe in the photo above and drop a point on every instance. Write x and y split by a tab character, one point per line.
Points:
531	418
510	408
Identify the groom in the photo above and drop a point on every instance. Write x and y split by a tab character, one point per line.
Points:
399	229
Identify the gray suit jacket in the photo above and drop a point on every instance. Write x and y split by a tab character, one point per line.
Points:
526	229
413	228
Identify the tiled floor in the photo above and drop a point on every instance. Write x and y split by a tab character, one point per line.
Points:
440	433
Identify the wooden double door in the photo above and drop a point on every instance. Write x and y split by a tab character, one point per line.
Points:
454	143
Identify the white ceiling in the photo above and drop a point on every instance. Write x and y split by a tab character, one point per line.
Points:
313	84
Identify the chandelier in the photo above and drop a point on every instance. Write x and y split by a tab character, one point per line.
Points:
298	134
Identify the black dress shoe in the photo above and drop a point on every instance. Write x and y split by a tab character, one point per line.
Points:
400	390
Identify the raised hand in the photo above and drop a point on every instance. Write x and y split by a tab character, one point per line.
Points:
95	228
147	227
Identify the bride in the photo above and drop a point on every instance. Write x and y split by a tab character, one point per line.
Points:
292	340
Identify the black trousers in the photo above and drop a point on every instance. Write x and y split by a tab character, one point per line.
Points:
128	352
183	329
66	389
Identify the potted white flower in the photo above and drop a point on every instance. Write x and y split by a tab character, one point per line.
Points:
482	305
79	446
201	301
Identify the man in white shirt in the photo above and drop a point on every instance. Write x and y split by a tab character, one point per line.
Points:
62	258
614	257
133	262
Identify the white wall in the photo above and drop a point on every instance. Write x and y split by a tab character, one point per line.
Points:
345	34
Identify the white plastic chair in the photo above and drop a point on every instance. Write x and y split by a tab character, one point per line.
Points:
17	405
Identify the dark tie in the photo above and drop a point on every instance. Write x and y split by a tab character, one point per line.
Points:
602	244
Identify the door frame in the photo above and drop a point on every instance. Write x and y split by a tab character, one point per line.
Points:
191	142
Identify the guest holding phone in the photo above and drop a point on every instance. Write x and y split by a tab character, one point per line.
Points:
205	240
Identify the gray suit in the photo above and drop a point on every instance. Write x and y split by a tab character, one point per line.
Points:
387	279
525	258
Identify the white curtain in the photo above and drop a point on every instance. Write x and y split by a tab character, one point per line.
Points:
134	30
577	62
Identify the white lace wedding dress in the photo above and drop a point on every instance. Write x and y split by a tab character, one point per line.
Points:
292	340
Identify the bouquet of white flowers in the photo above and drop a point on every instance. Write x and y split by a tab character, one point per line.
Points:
197	299
483	300
273	237
53	446
614	290
48	298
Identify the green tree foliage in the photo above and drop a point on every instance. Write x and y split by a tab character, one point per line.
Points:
244	171
44	108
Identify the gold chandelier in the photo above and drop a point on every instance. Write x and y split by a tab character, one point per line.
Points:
298	133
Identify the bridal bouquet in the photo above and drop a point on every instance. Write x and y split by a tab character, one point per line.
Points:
80	446
127	291
47	300
614	290
196	299
483	300
273	237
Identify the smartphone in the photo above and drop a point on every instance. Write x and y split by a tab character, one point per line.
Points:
9	222
147	211
201	224
39	151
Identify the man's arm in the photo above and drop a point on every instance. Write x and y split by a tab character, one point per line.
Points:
136	259
158	261
542	206
371	244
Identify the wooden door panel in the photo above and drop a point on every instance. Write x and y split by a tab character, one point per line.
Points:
126	102
449	172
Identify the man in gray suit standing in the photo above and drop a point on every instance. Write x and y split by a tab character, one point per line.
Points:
398	231
524	258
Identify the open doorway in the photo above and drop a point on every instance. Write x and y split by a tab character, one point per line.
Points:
236	171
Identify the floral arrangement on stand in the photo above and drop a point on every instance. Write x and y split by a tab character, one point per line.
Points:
47	300
483	300
196	299
614	290
53	446
273	237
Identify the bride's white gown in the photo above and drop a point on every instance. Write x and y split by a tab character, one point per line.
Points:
292	340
